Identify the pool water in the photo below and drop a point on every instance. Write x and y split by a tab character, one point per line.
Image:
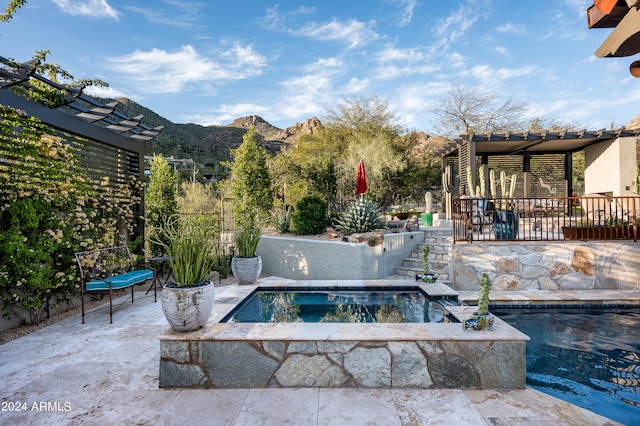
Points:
588	357
368	305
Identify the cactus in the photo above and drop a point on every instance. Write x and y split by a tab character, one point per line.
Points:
428	201
360	216
425	259
479	189
483	299
505	195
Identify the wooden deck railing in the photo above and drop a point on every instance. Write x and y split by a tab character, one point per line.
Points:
546	219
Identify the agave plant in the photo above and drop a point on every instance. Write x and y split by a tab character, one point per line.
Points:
281	219
360	216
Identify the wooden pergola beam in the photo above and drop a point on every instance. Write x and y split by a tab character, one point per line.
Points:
625	38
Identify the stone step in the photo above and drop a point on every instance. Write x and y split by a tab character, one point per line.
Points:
433	265
433	248
433	257
436	231
437	240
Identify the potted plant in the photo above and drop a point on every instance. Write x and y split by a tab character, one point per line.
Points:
481	319
427	277
188	300
427	216
246	265
401	213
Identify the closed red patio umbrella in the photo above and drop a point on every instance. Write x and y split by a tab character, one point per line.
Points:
361	179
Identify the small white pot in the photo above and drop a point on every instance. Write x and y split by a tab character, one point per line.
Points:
246	270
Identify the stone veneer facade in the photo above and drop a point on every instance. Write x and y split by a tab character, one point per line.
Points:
260	355
547	266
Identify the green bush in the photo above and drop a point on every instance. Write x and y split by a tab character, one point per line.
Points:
309	216
360	216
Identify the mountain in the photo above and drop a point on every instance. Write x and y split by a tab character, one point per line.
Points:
208	146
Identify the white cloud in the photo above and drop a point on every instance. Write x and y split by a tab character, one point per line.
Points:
353	32
356	85
92	8
511	28
490	76
396	62
226	113
159	71
178	14
276	21
105	92
324	63
452	28
407	8
501	50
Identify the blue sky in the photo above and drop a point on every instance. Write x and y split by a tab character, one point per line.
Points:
209	62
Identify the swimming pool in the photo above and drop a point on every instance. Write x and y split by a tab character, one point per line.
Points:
588	357
341	305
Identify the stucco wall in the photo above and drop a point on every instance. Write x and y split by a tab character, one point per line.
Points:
547	266
610	166
312	259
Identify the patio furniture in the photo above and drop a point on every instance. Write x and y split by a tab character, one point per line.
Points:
105	270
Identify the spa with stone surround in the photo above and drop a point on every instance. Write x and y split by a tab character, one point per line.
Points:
364	355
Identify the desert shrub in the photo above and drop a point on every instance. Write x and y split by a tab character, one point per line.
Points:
309	216
281	219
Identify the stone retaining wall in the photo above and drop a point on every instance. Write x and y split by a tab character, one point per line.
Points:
547	266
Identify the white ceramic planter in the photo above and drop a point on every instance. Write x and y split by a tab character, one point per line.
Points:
188	309
246	270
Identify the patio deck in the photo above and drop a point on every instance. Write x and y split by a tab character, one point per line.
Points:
101	373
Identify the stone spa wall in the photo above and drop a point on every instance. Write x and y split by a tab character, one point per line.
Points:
547	266
342	355
428	356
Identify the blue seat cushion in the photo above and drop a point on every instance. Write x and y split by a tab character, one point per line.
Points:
120	281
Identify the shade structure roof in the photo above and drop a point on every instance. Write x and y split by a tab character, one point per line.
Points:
545	142
75	102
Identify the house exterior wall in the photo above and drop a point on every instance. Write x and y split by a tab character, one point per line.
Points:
610	166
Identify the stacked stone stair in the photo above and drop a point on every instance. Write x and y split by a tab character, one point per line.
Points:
439	241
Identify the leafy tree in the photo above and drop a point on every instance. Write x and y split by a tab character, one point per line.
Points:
11	9
250	181
160	202
362	128
472	111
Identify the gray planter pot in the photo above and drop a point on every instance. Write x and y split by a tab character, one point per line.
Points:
188	309
246	270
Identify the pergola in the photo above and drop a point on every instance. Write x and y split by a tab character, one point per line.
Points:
520	148
106	142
